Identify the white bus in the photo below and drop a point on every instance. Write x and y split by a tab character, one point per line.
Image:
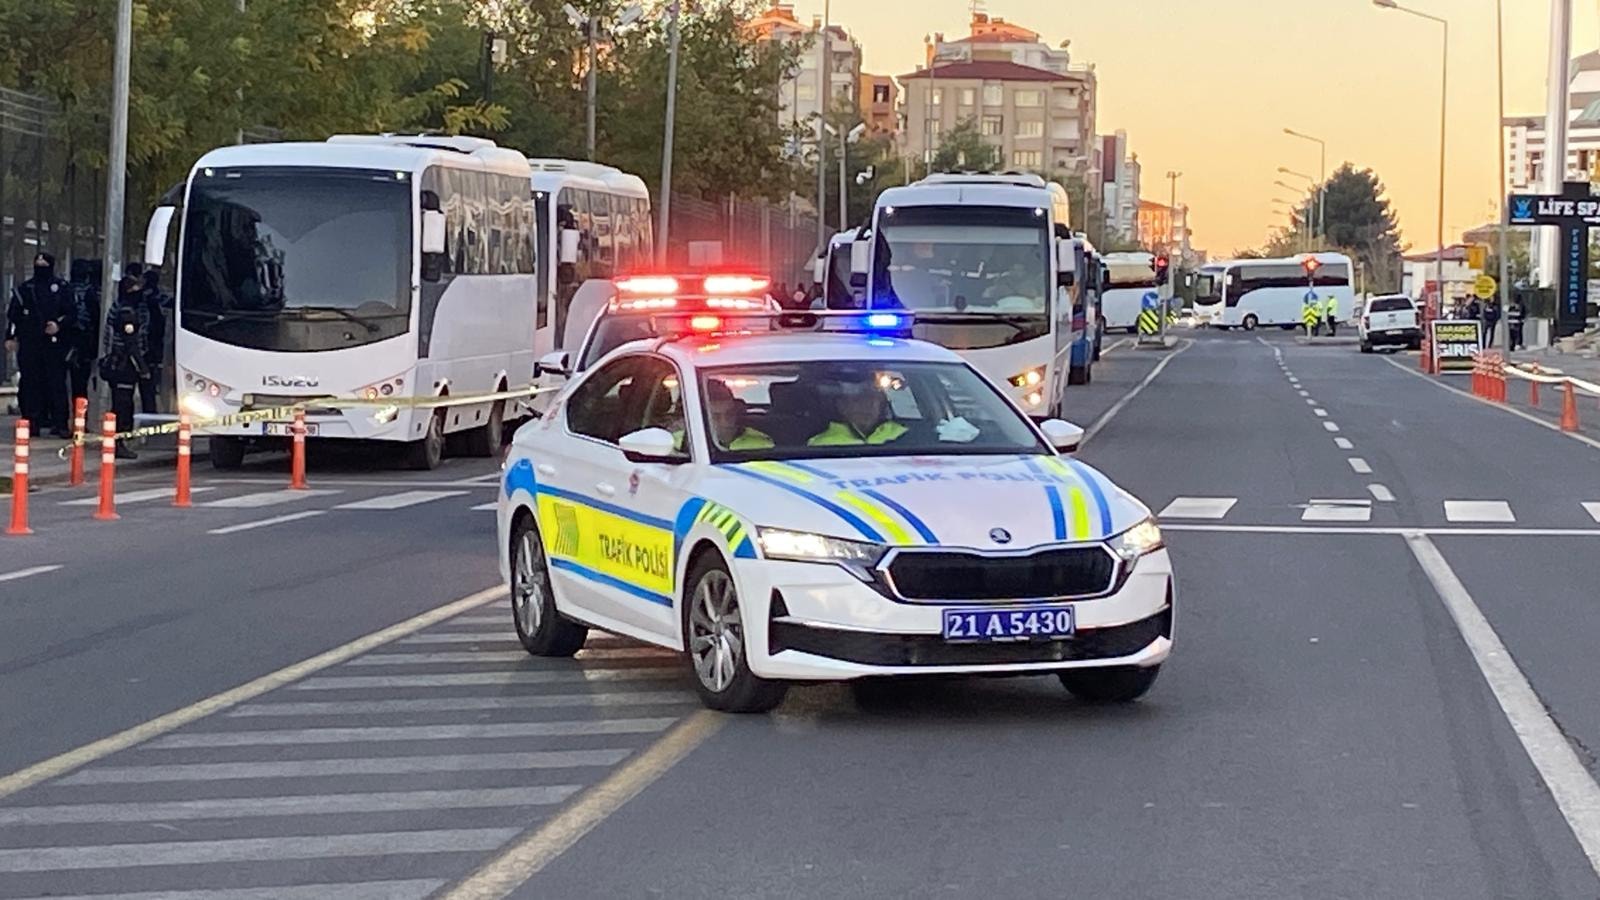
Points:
1208	294
593	223
991	269
1264	292
366	266
1129	277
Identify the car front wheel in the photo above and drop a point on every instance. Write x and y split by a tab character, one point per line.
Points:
1120	684
542	630
714	637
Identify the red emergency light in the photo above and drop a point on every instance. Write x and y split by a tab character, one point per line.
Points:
657	285
723	285
705	323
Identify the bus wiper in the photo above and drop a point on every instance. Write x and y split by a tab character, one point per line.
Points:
217	318
347	315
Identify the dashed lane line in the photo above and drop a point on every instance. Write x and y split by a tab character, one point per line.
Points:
1381	493
267	523
1319	412
1343	443
76	758
485	507
1571	786
28	573
1361	466
1331	426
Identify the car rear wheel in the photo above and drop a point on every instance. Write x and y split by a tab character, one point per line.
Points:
714	638
542	630
1120	684
1366	346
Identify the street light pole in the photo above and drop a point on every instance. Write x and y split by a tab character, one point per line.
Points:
662	230
1444	92
1322	183
117	164
822	115
844	213
590	26
1500	144
1172	209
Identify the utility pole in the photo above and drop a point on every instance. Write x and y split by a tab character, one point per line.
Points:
1500	143
116	164
844	212
590	26
662	230
823	96
238	136
1555	140
1172	218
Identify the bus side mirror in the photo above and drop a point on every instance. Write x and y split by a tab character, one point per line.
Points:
432	231
155	235
570	241
819	269
860	259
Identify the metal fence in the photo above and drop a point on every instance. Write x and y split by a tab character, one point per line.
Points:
777	240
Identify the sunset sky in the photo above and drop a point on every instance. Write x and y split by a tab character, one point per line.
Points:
1207	88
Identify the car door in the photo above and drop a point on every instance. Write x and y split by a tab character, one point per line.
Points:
609	535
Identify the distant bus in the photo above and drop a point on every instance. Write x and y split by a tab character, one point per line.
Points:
1129	276
1208	293
1265	292
369	266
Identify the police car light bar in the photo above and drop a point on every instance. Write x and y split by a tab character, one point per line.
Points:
655	285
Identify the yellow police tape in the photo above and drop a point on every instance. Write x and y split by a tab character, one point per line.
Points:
284	412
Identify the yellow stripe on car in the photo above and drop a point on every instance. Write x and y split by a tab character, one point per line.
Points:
896	533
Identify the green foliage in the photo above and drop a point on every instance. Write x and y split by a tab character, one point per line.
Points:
963	147
1358	220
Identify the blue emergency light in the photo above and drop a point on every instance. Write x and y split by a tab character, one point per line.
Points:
885	321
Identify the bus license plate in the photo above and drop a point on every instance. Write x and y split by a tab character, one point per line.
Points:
1034	623
286	429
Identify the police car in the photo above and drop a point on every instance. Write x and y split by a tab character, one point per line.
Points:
788	506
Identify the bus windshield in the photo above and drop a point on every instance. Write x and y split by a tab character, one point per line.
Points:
975	276
1207	288
296	259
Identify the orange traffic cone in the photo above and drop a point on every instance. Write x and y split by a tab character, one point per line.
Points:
180	497
1569	409
19	483
108	469
297	453
80	423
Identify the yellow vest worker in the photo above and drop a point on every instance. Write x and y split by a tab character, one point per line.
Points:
1333	307
748	439
839	434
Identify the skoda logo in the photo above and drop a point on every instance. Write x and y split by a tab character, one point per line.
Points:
1000	535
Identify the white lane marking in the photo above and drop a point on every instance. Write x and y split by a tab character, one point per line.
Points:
400	501
59	765
1478	511
1304	393
162	493
1570	784
410	889
1381	493
382	733
1337	511
360	482
1330	426
266	523
1310	402
490	507
28	573
266	498
1500	406
1384	529
1198	507
497	679
297	847
1343	443
301	805
1593	509
501	657
1361	466
1111	413
1320	413
463	637
376	765
458	704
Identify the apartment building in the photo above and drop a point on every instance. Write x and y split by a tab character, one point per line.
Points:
798	94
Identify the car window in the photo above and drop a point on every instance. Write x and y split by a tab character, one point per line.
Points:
612	332
598	405
857	408
1390	304
661	400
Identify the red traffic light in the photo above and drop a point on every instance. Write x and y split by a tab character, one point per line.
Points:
1311	264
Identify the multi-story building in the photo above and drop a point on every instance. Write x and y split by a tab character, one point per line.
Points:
1119	184
1162	227
1025	97
879	104
797	95
1525	135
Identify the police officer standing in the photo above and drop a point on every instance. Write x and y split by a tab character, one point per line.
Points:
86	348
126	345
40	321
1514	317
1332	308
156	304
1491	319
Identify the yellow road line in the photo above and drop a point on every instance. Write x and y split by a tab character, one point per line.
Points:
59	765
525	858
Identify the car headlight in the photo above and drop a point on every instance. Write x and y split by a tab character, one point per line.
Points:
800	546
1139	540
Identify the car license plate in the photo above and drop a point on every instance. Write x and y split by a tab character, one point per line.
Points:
1033	623
286	429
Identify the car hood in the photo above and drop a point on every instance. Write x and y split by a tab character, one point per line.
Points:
982	502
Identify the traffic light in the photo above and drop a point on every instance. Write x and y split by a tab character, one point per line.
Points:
1311	264
1161	264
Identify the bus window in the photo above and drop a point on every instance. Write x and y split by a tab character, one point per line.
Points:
605	257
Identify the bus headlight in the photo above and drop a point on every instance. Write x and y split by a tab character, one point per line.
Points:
1030	378
198	406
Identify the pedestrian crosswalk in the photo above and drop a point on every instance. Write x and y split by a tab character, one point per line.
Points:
1360	510
243	497
314	790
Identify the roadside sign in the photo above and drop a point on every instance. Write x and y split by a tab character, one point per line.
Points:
1477	257
1454	343
1484	286
1150	300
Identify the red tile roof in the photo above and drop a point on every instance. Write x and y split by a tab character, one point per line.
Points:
994	70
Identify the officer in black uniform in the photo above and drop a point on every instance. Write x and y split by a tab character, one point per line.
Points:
86	348
41	321
126	346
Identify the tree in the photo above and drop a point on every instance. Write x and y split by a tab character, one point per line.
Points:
1088	217
1357	220
964	147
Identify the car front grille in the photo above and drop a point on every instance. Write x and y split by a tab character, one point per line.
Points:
962	576
870	649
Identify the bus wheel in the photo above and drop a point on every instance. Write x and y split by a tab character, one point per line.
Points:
485	439
1078	375
227	454
1250	322
426	454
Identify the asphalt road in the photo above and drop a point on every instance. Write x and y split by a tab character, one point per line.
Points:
1325	727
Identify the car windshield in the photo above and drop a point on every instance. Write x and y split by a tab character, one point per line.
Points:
856	408
269	257
612	332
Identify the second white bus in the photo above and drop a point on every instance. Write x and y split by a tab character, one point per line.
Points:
1258	293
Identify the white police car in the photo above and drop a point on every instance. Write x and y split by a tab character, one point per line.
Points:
819	506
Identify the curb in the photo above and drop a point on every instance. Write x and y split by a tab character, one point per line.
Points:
149	460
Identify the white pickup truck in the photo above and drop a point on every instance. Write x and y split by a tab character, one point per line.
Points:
1389	320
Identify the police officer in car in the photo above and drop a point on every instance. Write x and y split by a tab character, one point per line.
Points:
728	428
861	417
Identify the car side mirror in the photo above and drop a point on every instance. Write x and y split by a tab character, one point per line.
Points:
155	235
1062	435
650	445
571	239
557	363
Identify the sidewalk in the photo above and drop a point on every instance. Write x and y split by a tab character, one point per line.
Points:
1577	365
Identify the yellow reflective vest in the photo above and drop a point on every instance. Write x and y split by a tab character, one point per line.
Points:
748	439
839	434
1333	307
